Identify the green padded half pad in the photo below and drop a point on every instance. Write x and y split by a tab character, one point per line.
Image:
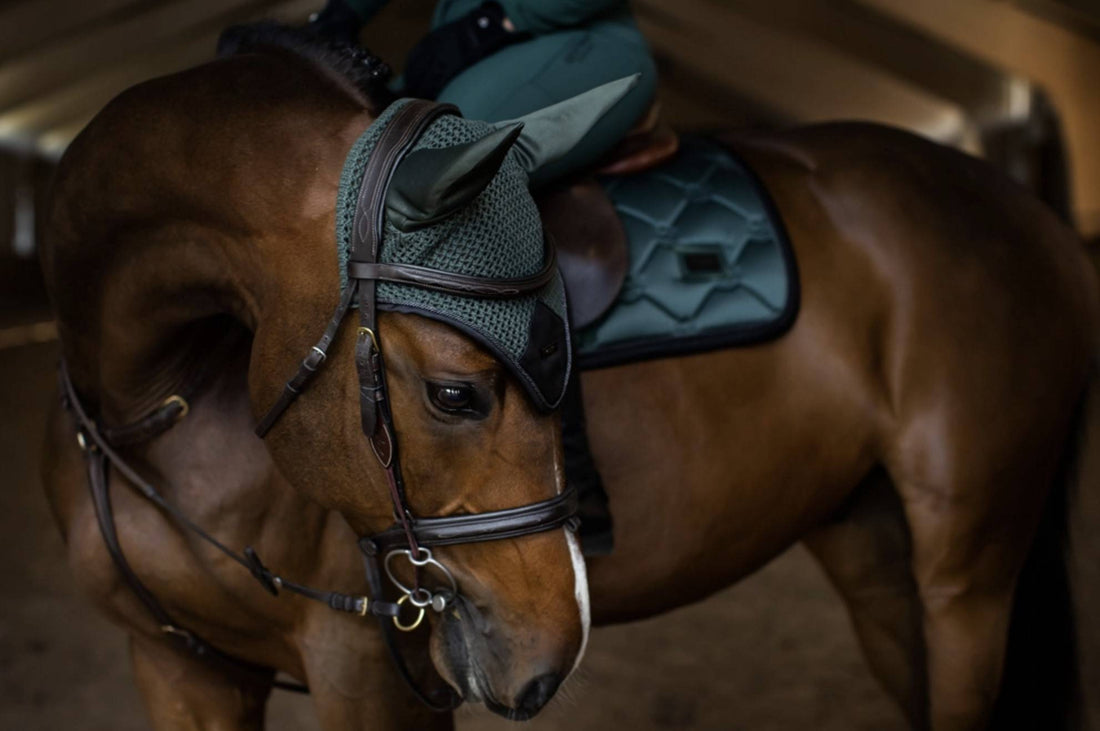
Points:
710	263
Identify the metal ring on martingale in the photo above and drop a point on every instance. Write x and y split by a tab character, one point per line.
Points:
415	624
423	558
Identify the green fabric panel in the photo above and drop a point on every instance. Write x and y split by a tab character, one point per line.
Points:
578	45
533	16
527	76
708	261
529	16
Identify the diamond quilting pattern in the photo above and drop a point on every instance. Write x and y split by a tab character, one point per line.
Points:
709	265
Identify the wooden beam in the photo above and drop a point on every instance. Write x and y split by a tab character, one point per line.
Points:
1064	63
88	95
986	92
801	79
693	103
32	23
1080	16
55	118
55	65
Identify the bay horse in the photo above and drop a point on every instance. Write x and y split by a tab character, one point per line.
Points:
914	428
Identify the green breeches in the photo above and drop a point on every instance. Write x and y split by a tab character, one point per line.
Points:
553	67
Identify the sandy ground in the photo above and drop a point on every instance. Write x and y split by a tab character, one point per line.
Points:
774	652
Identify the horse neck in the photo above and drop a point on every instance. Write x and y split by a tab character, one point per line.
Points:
175	297
193	205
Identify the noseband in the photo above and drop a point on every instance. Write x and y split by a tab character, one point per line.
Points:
409	538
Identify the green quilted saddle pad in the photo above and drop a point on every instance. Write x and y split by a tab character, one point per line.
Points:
710	263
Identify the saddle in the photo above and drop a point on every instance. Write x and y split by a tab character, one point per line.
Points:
588	233
683	258
593	257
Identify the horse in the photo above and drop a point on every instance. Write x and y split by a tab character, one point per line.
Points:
916	428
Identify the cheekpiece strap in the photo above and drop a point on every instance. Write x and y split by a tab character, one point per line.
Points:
368	227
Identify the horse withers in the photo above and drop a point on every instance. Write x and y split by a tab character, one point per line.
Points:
910	427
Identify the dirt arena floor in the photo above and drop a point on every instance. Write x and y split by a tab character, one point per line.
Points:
775	652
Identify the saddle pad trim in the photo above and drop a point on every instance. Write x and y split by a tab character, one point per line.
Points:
738	335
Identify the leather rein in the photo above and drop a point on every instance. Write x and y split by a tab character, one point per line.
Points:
410	538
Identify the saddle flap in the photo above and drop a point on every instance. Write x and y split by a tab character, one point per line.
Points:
591	246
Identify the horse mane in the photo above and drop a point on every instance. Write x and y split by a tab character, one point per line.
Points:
351	66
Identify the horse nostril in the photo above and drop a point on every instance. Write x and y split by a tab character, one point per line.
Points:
537	693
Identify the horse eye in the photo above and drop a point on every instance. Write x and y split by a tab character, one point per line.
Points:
451	398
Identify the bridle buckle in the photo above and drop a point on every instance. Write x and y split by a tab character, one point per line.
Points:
373	338
177	400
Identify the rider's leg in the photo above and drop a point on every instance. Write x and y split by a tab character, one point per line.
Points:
352	679
537	17
551	68
182	691
559	62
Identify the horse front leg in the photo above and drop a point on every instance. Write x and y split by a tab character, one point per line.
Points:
186	693
353	680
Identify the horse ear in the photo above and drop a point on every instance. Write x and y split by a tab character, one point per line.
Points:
551	132
431	184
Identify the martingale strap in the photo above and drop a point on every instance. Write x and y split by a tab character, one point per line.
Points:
99	454
308	368
368	226
97	463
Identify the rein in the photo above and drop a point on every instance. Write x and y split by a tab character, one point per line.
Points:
410	537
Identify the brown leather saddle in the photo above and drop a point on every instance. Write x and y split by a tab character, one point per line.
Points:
580	218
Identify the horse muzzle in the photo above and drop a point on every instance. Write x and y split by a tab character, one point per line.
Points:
514	672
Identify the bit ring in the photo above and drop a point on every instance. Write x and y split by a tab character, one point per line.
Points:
422	559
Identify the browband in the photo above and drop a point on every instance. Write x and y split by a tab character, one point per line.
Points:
460	284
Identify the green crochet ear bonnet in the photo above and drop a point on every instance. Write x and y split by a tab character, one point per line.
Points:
459	202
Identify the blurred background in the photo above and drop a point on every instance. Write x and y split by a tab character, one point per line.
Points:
1014	81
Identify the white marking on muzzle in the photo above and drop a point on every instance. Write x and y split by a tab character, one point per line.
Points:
580	591
580	574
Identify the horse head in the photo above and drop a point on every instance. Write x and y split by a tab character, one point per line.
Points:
461	356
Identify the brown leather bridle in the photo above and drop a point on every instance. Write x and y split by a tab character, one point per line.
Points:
409	537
